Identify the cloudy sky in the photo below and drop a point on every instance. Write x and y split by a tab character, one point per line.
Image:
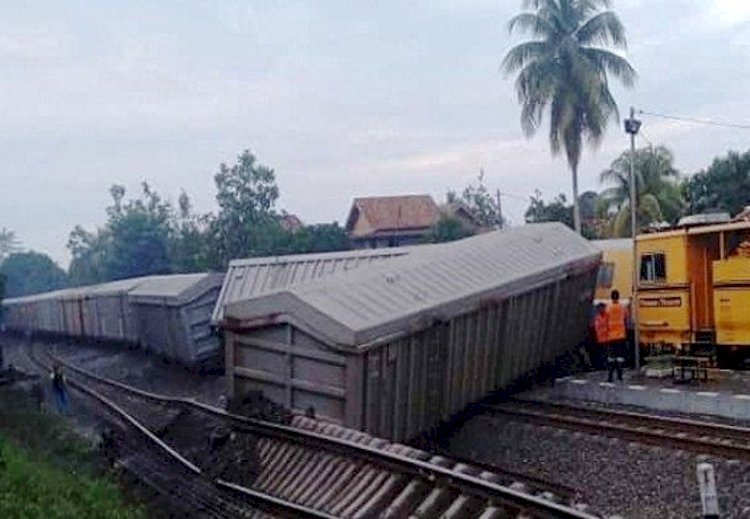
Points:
342	98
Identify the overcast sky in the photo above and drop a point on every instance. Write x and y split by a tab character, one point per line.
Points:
342	98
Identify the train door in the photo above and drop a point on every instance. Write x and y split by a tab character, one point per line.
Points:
703	250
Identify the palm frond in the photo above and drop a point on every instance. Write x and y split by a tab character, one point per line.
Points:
604	28
532	23
612	63
524	53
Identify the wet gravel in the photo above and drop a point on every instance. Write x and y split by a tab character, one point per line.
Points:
616	477
148	372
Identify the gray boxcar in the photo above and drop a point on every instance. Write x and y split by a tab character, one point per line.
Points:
101	312
173	315
397	348
247	278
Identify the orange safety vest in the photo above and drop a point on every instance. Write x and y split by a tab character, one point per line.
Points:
601	327
617	315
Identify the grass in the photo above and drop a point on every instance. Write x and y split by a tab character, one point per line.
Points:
47	471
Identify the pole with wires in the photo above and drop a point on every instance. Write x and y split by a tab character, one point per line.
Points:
632	125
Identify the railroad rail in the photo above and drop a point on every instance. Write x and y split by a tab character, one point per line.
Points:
716	439
339	472
183	478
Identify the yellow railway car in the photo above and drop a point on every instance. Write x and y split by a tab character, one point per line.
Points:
616	270
694	289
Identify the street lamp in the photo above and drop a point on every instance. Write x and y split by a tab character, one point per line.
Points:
632	125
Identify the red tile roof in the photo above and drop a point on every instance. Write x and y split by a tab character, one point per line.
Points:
391	213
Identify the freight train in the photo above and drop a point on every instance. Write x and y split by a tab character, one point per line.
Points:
389	341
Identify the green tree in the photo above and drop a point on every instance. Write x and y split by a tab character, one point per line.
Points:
657	187
88	251
326	237
247	224
725	185
566	67
447	228
31	272
558	210
190	243
9	243
134	241
479	201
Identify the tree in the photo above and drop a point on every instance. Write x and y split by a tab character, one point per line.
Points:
133	242
478	200
724	186
447	228
326	237
31	272
190	243
566	67
658	191
9	243
559	210
247	224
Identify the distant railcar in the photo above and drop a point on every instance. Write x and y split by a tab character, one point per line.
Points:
400	346
169	315
694	289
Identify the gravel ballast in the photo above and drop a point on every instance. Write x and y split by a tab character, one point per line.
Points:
616	477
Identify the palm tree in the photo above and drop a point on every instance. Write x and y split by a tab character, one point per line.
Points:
659	196
566	67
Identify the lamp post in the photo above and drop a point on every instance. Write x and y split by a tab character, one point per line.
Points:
632	125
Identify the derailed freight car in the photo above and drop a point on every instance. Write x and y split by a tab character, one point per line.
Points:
173	314
168	314
397	348
249	277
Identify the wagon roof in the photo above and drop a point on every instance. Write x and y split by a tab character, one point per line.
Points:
176	288
408	293
614	244
247	278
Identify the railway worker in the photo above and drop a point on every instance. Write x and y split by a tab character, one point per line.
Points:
617	334
59	388
601	335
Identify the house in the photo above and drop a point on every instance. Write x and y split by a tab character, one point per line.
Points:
390	221
290	222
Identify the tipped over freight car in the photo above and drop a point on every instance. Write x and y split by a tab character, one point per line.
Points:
249	277
169	315
398	347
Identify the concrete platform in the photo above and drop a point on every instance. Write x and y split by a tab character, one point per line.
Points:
727	395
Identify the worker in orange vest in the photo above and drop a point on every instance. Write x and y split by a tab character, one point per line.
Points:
601	333
617	335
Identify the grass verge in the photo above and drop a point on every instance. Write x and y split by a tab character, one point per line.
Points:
47	471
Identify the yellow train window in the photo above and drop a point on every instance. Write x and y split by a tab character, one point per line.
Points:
653	267
606	274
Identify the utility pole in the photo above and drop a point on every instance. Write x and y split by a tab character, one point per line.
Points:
632	125
500	222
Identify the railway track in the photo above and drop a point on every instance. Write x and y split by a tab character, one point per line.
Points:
337	472
153	462
715	439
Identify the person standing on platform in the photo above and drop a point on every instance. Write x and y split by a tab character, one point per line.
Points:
601	334
617	335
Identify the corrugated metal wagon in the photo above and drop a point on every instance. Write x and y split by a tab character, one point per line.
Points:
173	313
397	348
246	278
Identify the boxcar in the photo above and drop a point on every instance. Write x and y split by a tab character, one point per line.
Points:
397	348
173	316
246	278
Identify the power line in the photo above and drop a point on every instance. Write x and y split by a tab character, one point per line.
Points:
707	122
